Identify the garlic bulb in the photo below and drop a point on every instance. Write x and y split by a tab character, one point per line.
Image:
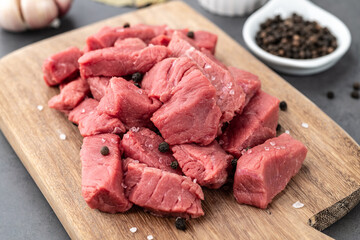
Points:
19	15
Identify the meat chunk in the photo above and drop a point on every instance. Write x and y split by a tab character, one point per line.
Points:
128	103
98	86
130	44
142	145
162	192
71	94
249	82
230	96
162	79
254	126
61	66
206	40
114	61
264	171
191	114
208	164
98	123
107	36
82	110
102	175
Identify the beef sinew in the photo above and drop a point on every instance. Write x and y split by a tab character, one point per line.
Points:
191	114
264	171
128	103
102	175
142	145
208	164
254	126
61	66
162	192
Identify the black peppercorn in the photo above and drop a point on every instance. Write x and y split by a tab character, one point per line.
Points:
356	86
234	163
330	95
180	223
138	85
283	105
104	151
126	25
355	94
164	147
174	164
137	77
190	34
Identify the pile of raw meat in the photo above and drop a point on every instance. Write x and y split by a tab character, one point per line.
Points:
161	118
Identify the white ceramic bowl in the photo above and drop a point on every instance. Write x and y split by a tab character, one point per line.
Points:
231	7
310	12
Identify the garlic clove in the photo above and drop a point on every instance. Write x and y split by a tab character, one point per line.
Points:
39	13
64	6
10	16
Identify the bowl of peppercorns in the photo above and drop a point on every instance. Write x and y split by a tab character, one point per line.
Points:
296	37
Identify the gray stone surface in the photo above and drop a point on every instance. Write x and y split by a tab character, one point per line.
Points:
25	213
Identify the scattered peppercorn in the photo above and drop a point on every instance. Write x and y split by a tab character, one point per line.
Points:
283	105
356	86
104	151
164	147
126	25
355	94
278	127
190	34
137	77
180	223
234	163
174	164
138	85
330	95
295	37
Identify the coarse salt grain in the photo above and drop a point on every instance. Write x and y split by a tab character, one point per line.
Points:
195	180
83	110
133	229
232	92
62	136
134	129
298	205
272	143
266	148
40	107
150	237
213	78
305	125
287	132
103	140
207	66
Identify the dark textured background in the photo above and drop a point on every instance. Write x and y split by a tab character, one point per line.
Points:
25	213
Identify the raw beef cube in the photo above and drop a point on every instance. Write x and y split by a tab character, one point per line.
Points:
114	61
207	40
230	96
128	103
208	164
98	123
130	44
61	66
191	114
162	192
107	36
160	40
266	169
98	86
102	176
82	110
142	145
249	82
254	126
162	79
70	95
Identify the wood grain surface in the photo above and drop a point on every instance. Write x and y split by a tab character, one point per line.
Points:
328	183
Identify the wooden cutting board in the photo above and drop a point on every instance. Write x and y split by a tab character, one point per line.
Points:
328	183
